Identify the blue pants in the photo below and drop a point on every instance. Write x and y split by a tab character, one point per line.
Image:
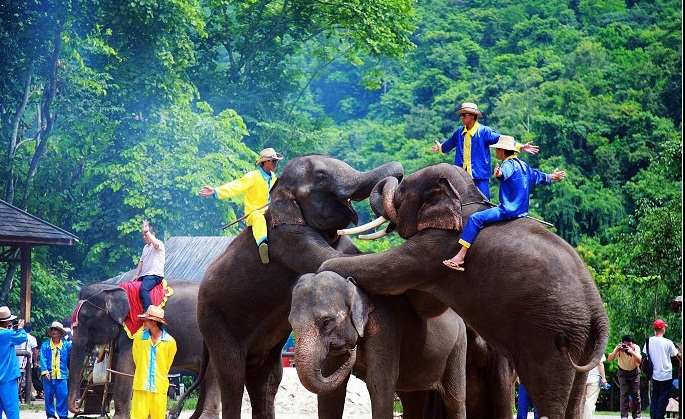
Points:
478	220
524	404
659	400
149	282
483	185
9	399
56	392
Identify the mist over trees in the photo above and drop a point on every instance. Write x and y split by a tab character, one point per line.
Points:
112	112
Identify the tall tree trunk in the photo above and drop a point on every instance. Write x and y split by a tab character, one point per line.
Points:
14	137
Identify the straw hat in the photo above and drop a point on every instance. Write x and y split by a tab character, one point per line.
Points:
469	107
505	142
59	326
268	154
6	315
155	313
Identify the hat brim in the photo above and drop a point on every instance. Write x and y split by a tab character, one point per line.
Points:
149	317
263	159
9	319
504	147
470	111
64	332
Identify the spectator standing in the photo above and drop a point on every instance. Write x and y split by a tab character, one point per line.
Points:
54	369
628	355
10	336
524	404
595	379
660	352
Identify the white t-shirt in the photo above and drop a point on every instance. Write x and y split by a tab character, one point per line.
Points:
153	260
660	352
593	375
30	343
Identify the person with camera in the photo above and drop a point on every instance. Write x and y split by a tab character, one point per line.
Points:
628	355
11	334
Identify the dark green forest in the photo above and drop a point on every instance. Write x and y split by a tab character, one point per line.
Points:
115	111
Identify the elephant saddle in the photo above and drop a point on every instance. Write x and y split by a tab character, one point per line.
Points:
159	296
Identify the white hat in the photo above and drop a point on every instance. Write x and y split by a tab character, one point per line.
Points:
505	142
469	107
59	326
6	315
268	154
155	313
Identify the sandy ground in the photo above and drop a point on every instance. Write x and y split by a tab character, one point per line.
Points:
293	401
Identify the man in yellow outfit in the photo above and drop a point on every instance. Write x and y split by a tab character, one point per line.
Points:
255	187
153	353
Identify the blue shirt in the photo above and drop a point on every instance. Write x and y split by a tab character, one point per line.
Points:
55	359
517	183
480	151
9	367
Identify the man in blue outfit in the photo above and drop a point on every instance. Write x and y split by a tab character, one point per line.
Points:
517	181
471	142
54	370
9	367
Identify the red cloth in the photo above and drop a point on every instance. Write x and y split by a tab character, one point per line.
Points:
132	288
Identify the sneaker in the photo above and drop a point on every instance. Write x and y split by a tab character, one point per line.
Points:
264	253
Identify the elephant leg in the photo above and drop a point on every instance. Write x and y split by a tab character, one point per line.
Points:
413	403
262	380
210	397
381	388
577	396
454	382
122	385
549	384
331	405
228	353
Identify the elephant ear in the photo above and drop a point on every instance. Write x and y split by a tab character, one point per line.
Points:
441	208
116	304
360	307
283	208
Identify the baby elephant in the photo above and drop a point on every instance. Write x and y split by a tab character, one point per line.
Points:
340	329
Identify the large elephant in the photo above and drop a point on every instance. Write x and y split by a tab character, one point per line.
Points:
100	321
525	290
244	304
382	339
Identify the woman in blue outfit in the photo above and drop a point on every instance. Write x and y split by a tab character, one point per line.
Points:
517	181
470	143
9	367
54	370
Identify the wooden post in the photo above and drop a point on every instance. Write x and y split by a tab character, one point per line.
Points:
25	283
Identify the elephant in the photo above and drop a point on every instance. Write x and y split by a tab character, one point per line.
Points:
244	304
380	338
100	320
525	290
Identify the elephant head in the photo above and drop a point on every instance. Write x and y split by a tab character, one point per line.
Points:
328	315
100	320
430	198
316	190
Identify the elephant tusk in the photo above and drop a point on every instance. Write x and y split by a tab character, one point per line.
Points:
373	236
362	228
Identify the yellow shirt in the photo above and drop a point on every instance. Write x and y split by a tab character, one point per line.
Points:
468	134
55	350
152	361
255	187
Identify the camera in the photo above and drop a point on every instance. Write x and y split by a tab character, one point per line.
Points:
625	347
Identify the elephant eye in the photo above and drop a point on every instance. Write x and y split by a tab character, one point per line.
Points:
327	324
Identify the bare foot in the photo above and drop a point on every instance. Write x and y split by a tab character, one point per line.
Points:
454	263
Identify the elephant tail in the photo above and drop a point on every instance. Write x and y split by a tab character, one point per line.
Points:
596	343
176	412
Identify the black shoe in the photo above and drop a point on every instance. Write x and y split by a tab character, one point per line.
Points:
264	253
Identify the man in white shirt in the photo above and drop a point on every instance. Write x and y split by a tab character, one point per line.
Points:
151	265
595	378
660	352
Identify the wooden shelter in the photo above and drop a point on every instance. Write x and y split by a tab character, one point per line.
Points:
21	231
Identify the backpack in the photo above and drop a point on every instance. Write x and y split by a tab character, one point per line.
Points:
646	365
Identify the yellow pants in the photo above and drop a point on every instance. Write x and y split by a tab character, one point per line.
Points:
146	403
258	223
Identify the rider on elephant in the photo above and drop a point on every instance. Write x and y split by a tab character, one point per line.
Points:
150	269
517	181
471	142
255	185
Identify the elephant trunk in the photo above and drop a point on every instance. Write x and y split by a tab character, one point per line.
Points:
366	181
77	358
382	199
310	354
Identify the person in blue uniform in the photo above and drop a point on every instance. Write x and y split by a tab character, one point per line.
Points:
517	181
10	336
54	370
471	141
